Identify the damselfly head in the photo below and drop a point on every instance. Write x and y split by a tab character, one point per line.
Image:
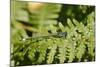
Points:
62	34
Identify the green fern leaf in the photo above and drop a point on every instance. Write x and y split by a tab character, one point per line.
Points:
62	50
42	51
70	50
80	50
50	56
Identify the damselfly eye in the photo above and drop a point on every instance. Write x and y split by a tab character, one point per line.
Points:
62	34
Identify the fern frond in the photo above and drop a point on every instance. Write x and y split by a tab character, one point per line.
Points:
46	15
70	50
62	51
91	34
51	54
80	50
42	51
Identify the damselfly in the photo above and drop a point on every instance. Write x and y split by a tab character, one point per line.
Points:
55	35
